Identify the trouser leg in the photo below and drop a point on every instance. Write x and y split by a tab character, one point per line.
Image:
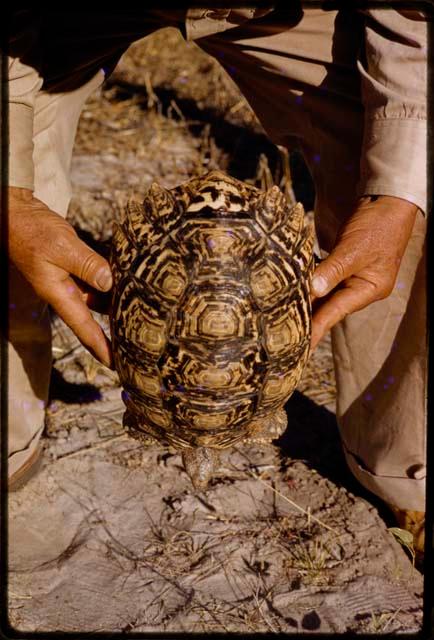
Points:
381	368
301	80
29	365
29	334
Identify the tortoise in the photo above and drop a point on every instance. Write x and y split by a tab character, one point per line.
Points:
210	316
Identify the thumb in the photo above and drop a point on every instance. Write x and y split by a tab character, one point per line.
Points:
89	266
331	272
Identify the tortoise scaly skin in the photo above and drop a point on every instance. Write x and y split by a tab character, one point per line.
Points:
210	316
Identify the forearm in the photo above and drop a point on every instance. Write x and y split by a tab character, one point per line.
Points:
393	72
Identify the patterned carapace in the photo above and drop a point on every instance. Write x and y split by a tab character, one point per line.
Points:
211	312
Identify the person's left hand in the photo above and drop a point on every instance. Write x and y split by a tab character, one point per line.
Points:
363	266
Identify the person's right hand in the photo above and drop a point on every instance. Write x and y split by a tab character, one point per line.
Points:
49	254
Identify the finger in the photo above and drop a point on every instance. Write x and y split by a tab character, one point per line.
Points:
66	300
337	307
339	265
318	302
75	257
317	262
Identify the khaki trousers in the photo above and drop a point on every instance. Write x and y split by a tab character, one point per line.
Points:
302	83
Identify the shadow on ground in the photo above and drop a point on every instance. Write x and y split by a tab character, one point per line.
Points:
72	392
313	436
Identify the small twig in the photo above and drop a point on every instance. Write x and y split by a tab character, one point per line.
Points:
98	445
177	110
20	597
392	617
236	107
152	96
294	504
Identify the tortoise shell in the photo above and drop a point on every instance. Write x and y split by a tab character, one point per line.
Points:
211	314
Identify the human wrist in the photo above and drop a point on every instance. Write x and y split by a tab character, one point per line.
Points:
393	201
20	194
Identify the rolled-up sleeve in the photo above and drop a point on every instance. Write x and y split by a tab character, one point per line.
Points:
393	70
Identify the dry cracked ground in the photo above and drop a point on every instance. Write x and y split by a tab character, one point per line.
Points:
110	536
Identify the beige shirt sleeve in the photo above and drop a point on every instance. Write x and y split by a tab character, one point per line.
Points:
393	70
23	84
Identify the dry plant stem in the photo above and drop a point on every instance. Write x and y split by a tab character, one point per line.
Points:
294	504
391	619
98	445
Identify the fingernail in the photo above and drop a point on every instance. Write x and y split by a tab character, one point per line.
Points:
104	279
319	285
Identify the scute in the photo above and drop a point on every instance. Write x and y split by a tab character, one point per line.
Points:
211	315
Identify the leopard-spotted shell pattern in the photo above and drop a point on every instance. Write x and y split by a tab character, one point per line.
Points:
211	315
